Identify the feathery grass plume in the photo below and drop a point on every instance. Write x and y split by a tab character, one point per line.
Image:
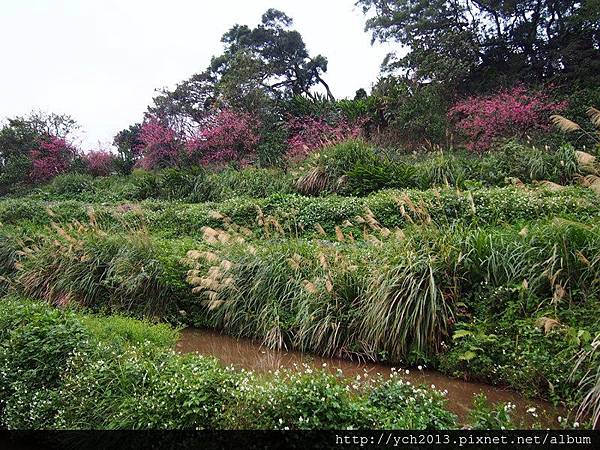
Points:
339	235
551	186
547	324
399	234
314	181
594	115
586	162
569	126
471	203
371	220
320	229
588	361
564	124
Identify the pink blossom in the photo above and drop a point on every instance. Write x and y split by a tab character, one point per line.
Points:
308	134
99	163
159	148
52	157
507	113
230	135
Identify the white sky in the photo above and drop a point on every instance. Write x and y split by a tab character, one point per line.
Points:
101	60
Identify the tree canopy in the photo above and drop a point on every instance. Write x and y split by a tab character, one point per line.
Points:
490	42
258	65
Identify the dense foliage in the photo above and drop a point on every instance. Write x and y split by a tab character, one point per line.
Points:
486	44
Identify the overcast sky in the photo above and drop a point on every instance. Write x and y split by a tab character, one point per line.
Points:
101	60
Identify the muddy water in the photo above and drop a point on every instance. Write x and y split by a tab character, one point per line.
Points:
244	353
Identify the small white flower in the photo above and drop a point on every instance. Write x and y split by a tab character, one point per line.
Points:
420	367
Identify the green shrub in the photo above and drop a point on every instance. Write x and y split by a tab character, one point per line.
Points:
71	185
59	369
485	417
174	184
36	343
408	407
142	388
292	400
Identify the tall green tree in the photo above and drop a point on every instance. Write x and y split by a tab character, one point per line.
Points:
490	42
257	67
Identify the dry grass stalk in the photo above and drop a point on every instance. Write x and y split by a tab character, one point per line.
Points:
564	124
547	324
320	229
339	234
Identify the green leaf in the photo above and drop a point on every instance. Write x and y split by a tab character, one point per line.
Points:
467	356
461	333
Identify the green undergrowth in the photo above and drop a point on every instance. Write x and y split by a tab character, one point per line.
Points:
298	216
60	369
352	167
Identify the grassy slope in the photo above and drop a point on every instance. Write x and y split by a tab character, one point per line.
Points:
464	279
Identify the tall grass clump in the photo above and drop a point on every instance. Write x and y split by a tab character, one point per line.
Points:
84	266
328	169
8	259
409	305
590	382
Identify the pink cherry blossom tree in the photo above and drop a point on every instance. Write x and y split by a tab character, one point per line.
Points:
52	157
505	114
159	146
99	163
308	134
229	135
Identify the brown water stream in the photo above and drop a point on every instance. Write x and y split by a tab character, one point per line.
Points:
244	353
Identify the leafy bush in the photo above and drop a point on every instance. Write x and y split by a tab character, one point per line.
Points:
71	185
92	373
410	407
485	417
35	346
408	114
